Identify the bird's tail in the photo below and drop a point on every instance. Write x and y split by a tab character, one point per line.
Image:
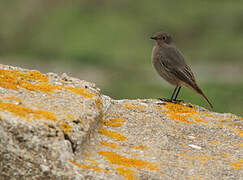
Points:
196	88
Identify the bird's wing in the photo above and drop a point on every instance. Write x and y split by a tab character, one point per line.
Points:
175	63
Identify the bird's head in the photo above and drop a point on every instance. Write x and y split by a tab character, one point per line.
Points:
162	38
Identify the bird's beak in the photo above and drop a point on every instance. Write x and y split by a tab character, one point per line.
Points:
153	37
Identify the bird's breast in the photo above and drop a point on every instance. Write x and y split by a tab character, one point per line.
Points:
154	54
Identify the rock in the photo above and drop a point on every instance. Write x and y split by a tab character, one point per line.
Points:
54	127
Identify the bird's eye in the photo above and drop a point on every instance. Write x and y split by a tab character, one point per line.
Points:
164	37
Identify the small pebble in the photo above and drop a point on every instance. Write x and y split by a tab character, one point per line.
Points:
195	146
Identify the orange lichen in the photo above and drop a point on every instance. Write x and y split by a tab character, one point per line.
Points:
240	132
126	173
88	154
42	87
142	147
34	81
118	159
28	76
201	158
183	113
26	112
113	122
128	106
224	155
92	161
142	107
14	79
112	134
66	127
13	98
83	166
99	105
70	116
179	108
109	144
175	116
237	164
158	107
214	142
33	76
197	119
82	91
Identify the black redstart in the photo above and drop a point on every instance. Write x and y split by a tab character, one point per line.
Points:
170	64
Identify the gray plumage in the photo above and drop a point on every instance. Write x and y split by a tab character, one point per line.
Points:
170	64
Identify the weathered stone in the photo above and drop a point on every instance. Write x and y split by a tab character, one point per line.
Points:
55	127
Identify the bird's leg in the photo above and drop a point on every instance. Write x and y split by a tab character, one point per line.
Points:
171	99
177	95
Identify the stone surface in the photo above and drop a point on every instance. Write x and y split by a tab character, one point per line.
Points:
55	127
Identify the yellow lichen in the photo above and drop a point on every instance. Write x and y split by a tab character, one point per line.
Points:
92	161
42	87
17	75
237	164
183	113
179	108
99	105
33	76
82	91
13	98
66	127
202	158
83	166
130	107
109	144
126	173
88	154
34	81
175	116
118	159
224	155
158	107
113	122
142	147
70	116
14	79
214	142
112	134
240	132
26	112
197	119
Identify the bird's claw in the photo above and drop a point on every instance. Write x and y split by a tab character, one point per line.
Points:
165	99
170	100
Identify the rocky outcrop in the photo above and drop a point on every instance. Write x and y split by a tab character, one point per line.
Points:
55	127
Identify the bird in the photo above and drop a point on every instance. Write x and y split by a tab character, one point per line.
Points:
170	64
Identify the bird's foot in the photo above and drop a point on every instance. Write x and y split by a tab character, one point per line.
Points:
170	100
165	99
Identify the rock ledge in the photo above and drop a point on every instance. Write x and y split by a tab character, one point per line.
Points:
55	127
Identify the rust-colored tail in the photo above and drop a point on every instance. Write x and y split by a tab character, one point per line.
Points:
199	91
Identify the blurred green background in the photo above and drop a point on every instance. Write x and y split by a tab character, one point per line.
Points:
107	42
